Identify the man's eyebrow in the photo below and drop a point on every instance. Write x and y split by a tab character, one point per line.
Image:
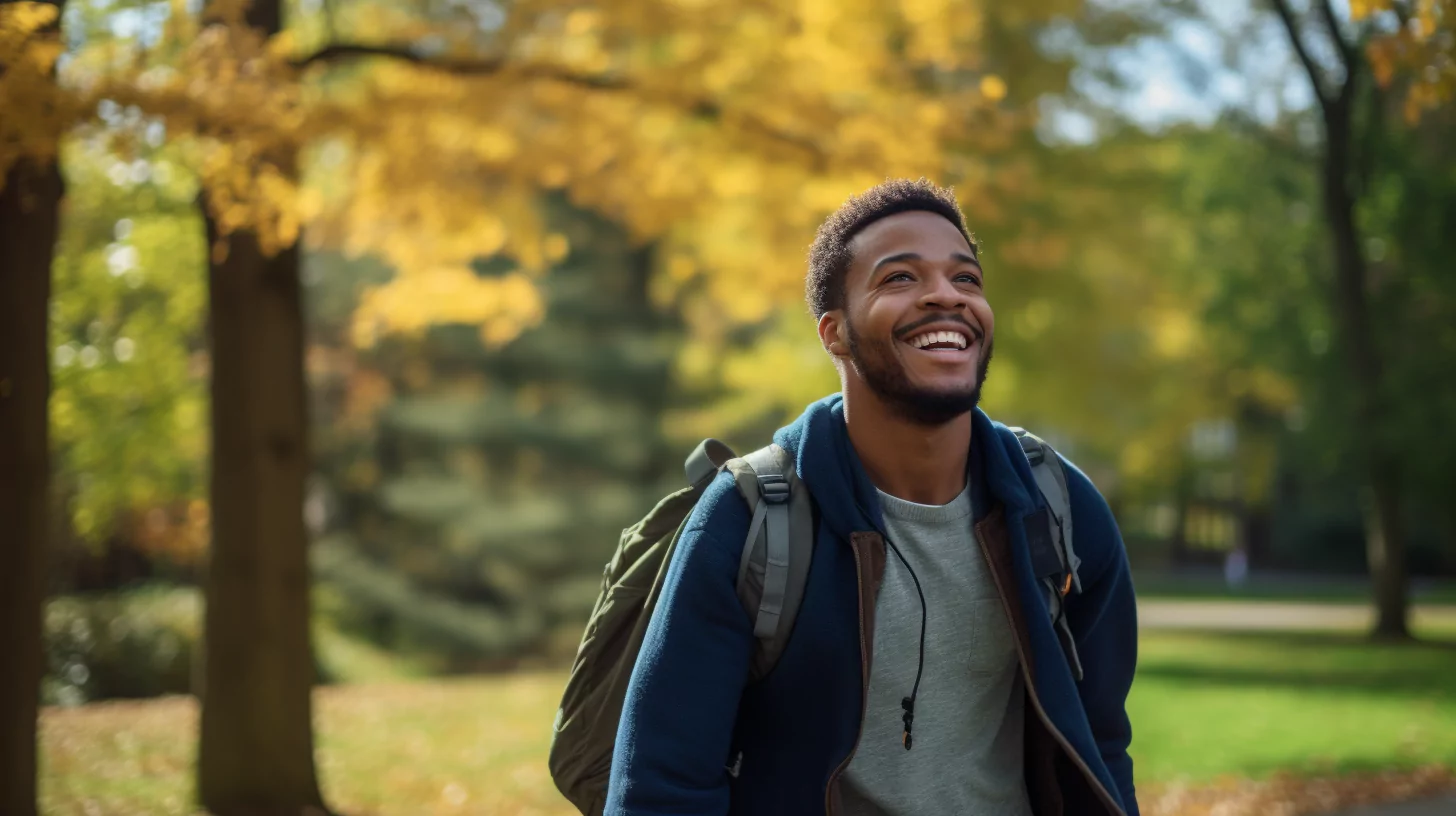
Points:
915	256
896	258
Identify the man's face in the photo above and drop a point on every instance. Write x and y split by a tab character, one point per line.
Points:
916	329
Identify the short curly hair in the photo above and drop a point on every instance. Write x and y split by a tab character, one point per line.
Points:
829	256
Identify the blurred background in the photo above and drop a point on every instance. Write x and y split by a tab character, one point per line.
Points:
400	310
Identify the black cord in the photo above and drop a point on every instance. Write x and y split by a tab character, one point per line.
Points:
908	703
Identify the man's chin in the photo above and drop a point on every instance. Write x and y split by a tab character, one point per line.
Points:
942	398
943	388
934	407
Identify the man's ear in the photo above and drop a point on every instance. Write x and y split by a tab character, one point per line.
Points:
834	333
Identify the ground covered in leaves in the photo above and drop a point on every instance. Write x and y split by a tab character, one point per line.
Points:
1225	724
1289	795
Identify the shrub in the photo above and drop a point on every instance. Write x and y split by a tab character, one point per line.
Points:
134	643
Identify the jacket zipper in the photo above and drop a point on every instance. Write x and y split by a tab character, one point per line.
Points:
1036	701
864	672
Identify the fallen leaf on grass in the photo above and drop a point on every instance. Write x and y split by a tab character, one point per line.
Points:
1289	795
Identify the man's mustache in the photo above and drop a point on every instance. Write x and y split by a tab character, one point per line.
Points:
949	317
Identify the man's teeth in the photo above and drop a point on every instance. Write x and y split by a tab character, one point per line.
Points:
939	337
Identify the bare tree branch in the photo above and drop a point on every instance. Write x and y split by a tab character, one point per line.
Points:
343	52
1346	49
1286	16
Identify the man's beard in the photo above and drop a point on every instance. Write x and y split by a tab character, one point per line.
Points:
877	366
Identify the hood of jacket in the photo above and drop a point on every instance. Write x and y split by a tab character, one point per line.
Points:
827	463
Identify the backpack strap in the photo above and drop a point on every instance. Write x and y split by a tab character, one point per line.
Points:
1060	582
705	461
774	565
771	516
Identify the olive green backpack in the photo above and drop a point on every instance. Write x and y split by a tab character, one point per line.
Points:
770	586
771	574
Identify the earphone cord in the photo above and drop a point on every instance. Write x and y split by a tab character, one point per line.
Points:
908	703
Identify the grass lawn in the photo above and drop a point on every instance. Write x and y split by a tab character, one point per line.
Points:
1209	704
1204	706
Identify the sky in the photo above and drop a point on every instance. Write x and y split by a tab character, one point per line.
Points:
1188	75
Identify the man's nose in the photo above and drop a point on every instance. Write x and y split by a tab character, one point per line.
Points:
941	293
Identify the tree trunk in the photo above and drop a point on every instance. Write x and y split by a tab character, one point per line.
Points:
256	751
29	220
30	205
1385	554
1340	170
1385	544
255	754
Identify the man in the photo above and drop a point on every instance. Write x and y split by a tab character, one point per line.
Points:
923	674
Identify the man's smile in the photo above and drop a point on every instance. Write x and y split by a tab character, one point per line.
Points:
939	340
954	338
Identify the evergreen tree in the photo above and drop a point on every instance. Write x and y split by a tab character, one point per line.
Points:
506	474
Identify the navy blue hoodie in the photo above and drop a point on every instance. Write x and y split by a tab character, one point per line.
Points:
689	712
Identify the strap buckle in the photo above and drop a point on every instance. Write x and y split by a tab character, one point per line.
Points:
774	489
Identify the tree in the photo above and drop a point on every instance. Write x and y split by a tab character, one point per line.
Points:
31	190
677	123
1409	220
506	474
1347	98
1260	276
256	734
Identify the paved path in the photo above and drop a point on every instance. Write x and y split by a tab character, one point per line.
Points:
1276	615
1440	806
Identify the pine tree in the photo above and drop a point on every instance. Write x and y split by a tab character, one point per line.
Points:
507	473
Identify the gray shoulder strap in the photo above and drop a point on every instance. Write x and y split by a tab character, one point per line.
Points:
772	513
705	461
774	565
1051	479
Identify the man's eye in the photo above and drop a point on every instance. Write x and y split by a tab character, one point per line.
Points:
969	278
894	276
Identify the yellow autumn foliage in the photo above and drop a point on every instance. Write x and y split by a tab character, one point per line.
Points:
1419	44
724	132
34	111
720	133
448	294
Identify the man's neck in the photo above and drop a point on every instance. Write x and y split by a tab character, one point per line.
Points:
917	463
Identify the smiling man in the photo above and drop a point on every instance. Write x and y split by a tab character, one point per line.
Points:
926	671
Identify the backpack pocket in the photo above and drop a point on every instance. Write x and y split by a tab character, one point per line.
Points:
585	730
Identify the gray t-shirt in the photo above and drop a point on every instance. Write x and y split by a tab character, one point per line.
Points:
967	752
